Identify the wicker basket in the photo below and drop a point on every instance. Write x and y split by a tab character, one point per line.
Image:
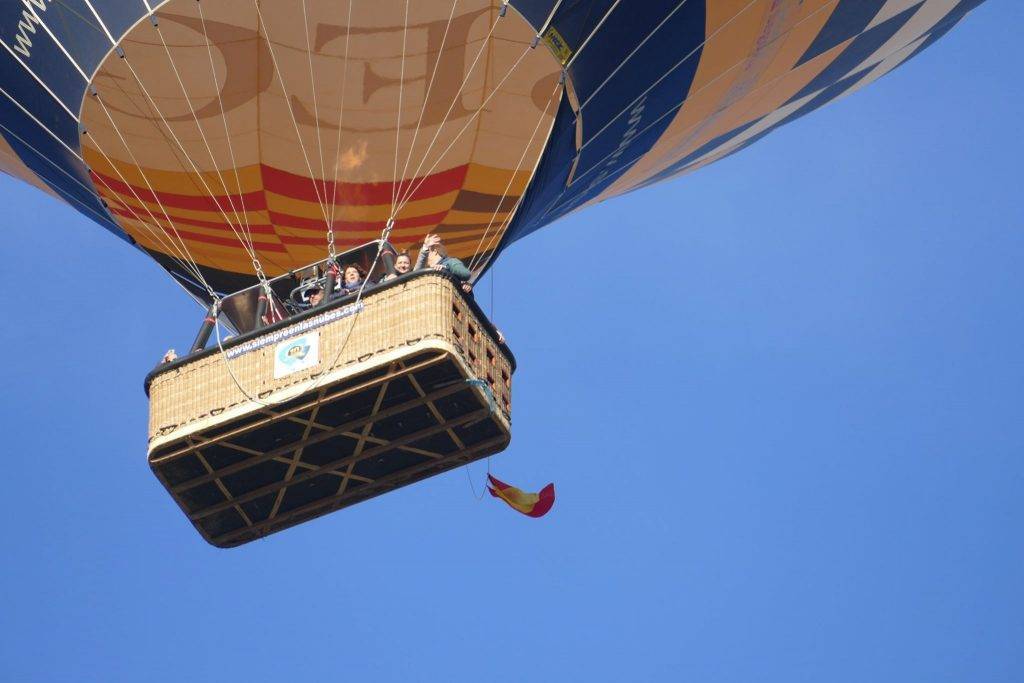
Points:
410	384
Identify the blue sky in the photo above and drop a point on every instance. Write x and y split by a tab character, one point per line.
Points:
780	400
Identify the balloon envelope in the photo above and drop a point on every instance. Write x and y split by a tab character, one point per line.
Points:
221	134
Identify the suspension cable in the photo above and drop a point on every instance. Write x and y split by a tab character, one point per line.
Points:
455	100
160	234
331	250
385	235
156	109
465	127
224	119
593	32
395	184
640	45
87	209
512	178
355	305
291	112
547	22
312	85
184	250
249	245
486	254
426	96
250	250
555	201
195	118
682	61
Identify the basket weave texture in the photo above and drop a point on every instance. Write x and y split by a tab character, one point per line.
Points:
401	316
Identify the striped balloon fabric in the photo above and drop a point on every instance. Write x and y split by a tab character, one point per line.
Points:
229	137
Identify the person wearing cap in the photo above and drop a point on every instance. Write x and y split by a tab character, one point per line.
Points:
309	294
434	255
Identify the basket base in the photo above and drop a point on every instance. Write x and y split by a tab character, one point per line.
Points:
254	475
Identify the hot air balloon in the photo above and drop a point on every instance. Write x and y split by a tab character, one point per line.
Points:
253	148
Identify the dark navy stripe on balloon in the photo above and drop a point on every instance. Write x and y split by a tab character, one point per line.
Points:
577	20
20	85
847	21
615	118
78	31
946	25
41	153
119	16
842	87
704	149
51	66
836	90
862	48
550	178
534	11
857	52
743	145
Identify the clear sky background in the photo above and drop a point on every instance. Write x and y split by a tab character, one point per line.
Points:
781	402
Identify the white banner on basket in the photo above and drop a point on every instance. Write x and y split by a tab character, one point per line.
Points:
299	353
288	332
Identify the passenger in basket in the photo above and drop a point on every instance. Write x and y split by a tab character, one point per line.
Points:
352	278
434	255
403	264
314	296
170	356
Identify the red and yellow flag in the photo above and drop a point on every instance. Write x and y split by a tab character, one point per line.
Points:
530	504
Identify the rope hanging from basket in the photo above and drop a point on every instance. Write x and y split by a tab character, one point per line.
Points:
472	486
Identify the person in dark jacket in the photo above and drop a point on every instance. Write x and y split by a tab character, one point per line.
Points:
434	255
352	278
403	265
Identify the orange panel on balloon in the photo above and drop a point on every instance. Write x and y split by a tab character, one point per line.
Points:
232	123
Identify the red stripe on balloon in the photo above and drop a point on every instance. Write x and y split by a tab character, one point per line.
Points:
359	194
227	241
252	201
188	235
255	228
318	224
293	186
